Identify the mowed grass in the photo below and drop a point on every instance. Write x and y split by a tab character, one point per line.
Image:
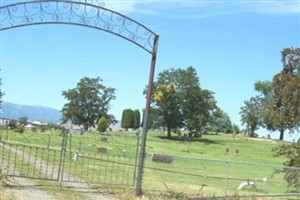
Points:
214	146
198	166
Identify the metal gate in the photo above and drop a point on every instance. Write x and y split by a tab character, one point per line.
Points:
91	14
70	156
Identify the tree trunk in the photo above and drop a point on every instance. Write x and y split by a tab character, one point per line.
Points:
169	132
281	134
86	127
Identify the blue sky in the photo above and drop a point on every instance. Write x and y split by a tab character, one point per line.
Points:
231	44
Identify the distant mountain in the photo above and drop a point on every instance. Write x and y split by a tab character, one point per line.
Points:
41	113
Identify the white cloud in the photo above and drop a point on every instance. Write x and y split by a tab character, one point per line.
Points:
202	8
279	7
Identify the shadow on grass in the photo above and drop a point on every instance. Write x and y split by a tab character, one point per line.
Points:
189	140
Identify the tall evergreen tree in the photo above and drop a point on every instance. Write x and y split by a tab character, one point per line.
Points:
127	119
136	119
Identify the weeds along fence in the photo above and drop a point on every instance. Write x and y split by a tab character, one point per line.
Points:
212	177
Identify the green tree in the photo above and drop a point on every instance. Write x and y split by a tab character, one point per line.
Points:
271	119
286	105
235	129
12	124
221	122
251	114
181	102
111	119
168	103
286	87
87	102
155	120
136	119
292	153
102	124
127	119
23	120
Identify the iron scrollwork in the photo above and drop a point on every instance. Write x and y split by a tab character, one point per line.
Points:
89	13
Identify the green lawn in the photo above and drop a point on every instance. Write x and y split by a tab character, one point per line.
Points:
214	146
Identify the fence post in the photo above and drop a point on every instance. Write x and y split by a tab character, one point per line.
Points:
136	156
138	190
226	178
62	155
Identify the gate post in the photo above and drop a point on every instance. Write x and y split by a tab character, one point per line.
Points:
138	190
62	155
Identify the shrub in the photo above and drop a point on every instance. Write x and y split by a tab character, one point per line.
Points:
102	124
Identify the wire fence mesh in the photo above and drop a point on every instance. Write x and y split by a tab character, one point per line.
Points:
213	177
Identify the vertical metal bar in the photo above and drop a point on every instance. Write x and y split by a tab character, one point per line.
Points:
28	163
136	156
94	168
53	164
15	161
62	156
47	162
138	190
82	167
2	156
105	171
35	158
8	166
70	146
226	178
100	171
112	169
6	131
22	163
41	163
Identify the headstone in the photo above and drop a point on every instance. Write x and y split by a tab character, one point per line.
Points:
237	152
102	150
161	158
104	139
184	138
226	151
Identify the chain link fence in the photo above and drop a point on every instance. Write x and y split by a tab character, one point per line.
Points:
212	177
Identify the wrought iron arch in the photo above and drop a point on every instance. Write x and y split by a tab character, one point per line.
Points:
92	14
86	13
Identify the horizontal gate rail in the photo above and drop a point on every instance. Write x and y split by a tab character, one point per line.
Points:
28	161
103	169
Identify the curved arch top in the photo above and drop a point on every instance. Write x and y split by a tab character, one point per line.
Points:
89	13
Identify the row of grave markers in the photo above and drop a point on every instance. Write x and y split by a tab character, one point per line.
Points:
237	152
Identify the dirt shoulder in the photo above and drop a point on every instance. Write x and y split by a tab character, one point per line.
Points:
27	189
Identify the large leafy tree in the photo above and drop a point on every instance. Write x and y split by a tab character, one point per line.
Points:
87	102
286	86
181	102
251	114
271	119
169	107
221	122
197	103
292	153
155	120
